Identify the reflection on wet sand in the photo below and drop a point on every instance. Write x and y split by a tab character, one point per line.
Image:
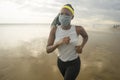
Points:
100	60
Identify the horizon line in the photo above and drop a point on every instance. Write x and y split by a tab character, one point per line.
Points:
25	23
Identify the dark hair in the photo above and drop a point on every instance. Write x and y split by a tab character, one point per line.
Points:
56	22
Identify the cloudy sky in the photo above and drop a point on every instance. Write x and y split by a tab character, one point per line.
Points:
44	11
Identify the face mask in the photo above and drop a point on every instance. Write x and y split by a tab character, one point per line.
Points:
64	20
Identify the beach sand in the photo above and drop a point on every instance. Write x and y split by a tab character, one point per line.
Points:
29	61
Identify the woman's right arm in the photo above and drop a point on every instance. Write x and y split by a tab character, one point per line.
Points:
50	44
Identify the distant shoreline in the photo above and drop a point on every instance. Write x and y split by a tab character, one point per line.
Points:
24	23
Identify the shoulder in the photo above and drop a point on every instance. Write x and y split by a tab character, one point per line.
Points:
54	28
79	29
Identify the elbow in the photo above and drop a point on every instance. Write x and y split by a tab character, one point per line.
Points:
86	37
48	50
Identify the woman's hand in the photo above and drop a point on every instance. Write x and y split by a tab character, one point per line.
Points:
79	49
65	40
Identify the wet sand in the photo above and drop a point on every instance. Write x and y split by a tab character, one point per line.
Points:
29	61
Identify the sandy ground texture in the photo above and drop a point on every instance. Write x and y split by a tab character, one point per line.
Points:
29	61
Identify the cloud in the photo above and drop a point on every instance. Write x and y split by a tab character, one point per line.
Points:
26	11
90	11
97	10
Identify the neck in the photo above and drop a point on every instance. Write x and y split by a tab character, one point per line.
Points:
66	27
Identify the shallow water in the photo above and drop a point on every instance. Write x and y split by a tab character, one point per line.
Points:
29	60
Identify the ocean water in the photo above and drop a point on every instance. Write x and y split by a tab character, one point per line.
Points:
14	34
23	54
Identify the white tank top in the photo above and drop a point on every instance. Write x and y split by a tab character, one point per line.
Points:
67	52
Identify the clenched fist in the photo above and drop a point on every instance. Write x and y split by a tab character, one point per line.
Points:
65	40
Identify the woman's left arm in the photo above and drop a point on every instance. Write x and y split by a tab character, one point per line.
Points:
81	31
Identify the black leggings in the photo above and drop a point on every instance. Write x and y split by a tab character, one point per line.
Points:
69	69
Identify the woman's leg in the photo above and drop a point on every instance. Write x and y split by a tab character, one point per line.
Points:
61	66
72	70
